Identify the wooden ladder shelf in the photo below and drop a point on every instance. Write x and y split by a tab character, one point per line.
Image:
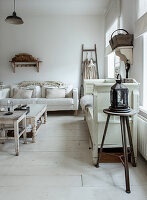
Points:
82	62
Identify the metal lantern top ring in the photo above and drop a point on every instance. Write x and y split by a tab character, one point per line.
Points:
119	96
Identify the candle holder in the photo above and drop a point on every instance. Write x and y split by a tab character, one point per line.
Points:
9	107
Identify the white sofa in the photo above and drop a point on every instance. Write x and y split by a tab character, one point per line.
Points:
95	118
70	102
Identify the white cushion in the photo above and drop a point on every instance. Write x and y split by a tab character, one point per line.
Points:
37	93
52	93
68	91
55	102
12	90
4	93
44	90
23	101
36	90
22	93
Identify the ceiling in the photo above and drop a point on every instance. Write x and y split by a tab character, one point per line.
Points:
54	7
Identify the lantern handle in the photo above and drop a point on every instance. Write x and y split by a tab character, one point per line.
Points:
119	77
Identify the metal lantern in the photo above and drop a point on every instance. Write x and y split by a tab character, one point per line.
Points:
119	96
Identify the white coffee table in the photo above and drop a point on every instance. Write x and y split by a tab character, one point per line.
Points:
36	112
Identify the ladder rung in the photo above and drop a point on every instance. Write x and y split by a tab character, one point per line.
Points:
88	49
93	62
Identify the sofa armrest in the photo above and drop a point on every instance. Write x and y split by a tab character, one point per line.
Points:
75	98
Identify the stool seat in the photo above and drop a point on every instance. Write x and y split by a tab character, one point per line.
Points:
125	114
124	122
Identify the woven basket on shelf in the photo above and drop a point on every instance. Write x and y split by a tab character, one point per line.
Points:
121	39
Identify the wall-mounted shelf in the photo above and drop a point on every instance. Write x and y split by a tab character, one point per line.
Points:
24	60
127	51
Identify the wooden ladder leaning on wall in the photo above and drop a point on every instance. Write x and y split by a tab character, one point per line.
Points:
82	65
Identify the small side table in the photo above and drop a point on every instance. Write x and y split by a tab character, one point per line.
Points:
13	120
124	119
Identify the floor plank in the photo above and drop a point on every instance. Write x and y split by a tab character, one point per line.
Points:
58	167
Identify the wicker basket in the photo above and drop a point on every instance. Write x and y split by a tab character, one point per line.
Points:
121	39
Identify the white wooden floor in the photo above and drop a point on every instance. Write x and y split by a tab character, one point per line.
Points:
58	167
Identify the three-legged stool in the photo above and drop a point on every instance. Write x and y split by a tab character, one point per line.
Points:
124	122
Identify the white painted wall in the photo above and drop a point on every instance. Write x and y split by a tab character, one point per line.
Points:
56	40
128	12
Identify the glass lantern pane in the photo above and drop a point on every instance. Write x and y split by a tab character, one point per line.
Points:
119	98
111	97
125	99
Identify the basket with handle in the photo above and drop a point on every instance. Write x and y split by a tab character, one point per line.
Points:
121	39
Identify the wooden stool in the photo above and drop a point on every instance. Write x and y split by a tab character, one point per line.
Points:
124	117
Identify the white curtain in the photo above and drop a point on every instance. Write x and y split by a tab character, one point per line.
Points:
112	22
141	24
141	6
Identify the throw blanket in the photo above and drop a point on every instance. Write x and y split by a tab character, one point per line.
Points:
86	101
50	83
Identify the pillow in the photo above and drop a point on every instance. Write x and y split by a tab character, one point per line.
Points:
52	93
36	90
44	90
30	88
22	93
4	93
12	90
69	91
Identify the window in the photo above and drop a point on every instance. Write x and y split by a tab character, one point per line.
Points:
111	65
110	31
145	73
112	23
141	8
111	56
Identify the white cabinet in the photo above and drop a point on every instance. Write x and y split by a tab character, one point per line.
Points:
96	118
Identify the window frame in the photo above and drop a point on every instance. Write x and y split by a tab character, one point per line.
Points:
145	71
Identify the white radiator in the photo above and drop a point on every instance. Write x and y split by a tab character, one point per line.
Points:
142	135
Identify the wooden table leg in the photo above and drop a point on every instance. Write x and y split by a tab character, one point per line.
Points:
124	142
16	137
103	139
45	117
76	112
34	131
131	143
3	134
24	127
